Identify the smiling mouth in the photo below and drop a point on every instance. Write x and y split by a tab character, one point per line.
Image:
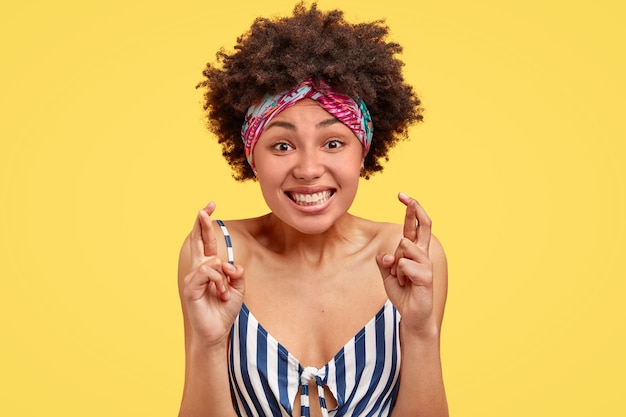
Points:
310	199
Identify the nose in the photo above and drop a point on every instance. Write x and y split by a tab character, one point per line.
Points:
309	165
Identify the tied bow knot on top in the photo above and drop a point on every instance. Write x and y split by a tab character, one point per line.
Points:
307	375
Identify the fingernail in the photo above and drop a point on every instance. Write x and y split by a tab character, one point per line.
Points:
230	267
403	195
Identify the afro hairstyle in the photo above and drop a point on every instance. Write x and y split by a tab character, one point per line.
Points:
276	54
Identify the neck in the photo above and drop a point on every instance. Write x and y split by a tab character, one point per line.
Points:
343	238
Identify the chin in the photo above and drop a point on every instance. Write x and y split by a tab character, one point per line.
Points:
312	224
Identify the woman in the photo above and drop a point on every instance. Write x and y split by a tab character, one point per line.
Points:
310	310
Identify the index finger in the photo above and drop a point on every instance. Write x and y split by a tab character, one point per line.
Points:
202	234
419	234
409	230
209	240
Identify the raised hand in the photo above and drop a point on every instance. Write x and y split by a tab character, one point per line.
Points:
212	292
408	273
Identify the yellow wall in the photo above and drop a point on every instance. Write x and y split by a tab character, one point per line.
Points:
104	162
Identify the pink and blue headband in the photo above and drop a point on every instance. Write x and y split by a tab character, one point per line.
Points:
352	113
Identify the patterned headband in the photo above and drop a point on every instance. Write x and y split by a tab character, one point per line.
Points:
352	113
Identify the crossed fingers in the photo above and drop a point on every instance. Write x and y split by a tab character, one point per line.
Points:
412	260
208	267
417	224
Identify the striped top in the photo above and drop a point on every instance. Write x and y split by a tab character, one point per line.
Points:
265	378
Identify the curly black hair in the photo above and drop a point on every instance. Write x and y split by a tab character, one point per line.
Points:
276	54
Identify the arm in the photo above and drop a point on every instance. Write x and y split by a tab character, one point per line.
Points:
416	280
211	293
422	390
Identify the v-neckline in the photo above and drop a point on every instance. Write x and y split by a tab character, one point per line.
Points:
282	349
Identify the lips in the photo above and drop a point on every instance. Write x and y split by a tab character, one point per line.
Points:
310	199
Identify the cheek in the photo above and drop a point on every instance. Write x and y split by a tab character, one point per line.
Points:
350	174
269	193
270	181
267	183
355	164
266	170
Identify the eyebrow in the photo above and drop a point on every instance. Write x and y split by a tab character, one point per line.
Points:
290	126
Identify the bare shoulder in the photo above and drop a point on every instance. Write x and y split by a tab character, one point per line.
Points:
242	235
436	251
385	236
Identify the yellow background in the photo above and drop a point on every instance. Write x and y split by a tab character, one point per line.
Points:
104	161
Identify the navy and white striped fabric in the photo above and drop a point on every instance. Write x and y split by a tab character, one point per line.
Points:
363	376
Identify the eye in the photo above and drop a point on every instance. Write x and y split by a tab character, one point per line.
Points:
282	147
334	144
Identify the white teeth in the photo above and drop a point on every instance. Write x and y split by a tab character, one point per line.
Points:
311	199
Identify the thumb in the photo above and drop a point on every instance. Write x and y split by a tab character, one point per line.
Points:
235	276
385	262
